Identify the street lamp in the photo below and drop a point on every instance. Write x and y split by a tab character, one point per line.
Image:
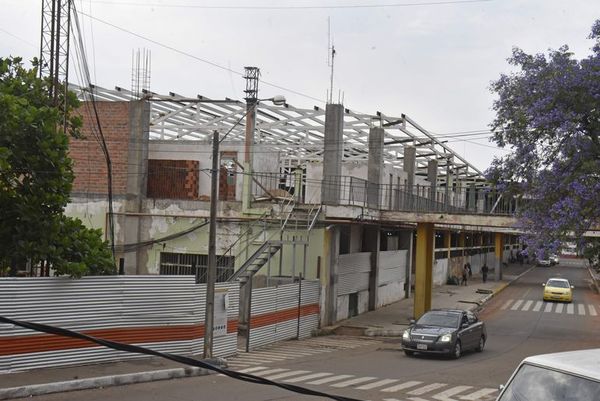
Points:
211	276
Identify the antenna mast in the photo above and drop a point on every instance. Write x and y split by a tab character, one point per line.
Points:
330	59
54	43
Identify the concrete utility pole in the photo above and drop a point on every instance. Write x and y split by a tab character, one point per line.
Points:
211	276
252	75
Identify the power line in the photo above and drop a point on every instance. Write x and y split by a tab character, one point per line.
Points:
174	357
294	7
184	53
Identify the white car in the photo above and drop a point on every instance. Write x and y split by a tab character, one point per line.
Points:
554	259
564	376
544	262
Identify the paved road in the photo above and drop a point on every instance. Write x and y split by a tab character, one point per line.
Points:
519	324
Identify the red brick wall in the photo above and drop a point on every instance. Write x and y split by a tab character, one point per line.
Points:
173	179
89	164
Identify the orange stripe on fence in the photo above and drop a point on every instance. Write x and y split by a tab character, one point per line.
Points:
129	335
270	318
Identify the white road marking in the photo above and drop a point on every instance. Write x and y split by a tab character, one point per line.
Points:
287	374
351	382
271	371
253	369
376	384
478	394
581	309
592	310
559	308
426	389
506	304
527	305
330	379
308	377
538	306
401	386
517	304
447	395
548	307
570	309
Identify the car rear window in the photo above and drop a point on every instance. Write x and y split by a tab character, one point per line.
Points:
440	319
533	383
558	284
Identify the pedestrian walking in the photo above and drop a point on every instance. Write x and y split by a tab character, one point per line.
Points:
484	272
465	275
469	270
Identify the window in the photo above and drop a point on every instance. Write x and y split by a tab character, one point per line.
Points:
533	383
181	264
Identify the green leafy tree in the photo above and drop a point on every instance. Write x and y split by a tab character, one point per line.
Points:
548	113
36	178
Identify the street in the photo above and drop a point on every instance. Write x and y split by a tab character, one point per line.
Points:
518	323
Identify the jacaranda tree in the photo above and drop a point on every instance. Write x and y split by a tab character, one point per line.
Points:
548	114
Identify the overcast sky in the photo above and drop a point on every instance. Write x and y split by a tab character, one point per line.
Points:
431	61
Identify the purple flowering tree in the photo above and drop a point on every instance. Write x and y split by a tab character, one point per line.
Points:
548	114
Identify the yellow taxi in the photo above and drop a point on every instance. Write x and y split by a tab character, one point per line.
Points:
558	289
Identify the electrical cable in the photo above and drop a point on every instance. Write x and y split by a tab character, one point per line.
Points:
173	357
321	7
87	77
136	245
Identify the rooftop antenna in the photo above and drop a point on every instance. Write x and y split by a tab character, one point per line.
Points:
330	59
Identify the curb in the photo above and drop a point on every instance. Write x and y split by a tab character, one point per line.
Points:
502	287
100	382
595	281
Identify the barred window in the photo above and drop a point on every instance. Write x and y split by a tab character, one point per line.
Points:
181	264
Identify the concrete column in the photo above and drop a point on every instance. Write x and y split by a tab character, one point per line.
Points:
251	105
372	239
424	267
448	181
329	278
409	163
405	241
298	184
498	250
375	168
137	176
472	194
333	153
448	243
432	166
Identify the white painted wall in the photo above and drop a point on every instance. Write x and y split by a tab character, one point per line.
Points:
440	272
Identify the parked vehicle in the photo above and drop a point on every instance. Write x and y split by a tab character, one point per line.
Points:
544	262
445	331
558	289
564	376
554	259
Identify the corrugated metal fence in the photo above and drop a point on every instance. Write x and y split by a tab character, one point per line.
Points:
277	313
354	271
164	313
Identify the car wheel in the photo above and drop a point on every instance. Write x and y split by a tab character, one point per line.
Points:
409	353
456	351
481	344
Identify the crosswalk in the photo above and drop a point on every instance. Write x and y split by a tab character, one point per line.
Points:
288	350
412	390
529	305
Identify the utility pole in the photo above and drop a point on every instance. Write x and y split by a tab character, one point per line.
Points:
211	276
251	76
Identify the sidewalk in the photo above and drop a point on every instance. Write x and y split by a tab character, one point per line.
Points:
390	320
393	319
